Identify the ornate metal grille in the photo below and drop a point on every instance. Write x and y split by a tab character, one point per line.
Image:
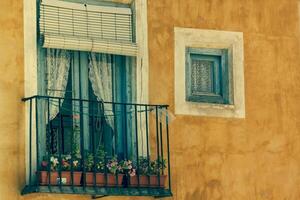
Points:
202	76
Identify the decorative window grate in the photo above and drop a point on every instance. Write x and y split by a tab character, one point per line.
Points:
201	77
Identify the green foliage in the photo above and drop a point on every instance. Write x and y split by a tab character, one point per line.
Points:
99	159
157	166
76	141
148	167
88	161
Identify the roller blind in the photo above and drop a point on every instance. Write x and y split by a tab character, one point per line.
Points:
83	27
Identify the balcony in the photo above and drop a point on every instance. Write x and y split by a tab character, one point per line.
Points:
97	148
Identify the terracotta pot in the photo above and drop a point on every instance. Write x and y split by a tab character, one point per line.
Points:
100	179
65	178
144	181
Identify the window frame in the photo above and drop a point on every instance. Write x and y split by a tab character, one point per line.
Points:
221	77
31	62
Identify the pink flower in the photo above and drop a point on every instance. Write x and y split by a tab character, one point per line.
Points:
44	164
64	163
132	172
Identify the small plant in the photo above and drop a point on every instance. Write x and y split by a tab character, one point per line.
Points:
113	166
157	166
100	159
65	163
53	163
88	161
127	167
144	164
148	167
76	141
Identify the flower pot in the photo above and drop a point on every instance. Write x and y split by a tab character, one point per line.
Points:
100	179
144	181
55	179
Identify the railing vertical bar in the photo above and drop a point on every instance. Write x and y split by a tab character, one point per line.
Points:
60	143
105	171
147	139
116	137
125	132
93	145
48	145
30	142
103	120
161	141
37	141
137	143
72	153
157	143
82	144
168	149
125	138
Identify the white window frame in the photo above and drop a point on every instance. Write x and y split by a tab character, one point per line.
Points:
211	39
31	62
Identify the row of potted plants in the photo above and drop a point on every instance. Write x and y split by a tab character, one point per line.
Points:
101	171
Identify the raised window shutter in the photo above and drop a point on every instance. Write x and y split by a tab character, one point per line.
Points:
83	27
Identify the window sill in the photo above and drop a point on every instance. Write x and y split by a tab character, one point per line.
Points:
209	109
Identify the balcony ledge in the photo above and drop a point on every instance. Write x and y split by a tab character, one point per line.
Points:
97	192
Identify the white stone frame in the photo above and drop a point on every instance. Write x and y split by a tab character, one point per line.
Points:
200	38
31	69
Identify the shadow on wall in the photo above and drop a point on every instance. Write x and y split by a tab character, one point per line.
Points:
211	191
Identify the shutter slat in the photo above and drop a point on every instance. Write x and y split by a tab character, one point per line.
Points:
85	44
77	27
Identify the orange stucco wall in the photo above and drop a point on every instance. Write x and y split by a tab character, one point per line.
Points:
235	159
212	158
11	109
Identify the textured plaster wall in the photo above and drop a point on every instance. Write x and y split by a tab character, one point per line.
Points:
11	91
256	158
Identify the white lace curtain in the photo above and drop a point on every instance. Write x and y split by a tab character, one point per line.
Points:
58	64
100	75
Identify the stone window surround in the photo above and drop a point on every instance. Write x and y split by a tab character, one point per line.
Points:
201	38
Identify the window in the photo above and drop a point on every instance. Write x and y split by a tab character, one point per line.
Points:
209	73
207	76
87	101
88	76
86	52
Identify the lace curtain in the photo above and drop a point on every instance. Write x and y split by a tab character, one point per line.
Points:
100	75
58	64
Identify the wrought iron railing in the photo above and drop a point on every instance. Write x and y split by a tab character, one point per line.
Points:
97	148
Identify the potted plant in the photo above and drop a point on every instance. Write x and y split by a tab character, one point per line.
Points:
114	175
129	171
150	173
101	174
65	175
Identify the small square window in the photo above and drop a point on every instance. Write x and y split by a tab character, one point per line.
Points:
208	78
